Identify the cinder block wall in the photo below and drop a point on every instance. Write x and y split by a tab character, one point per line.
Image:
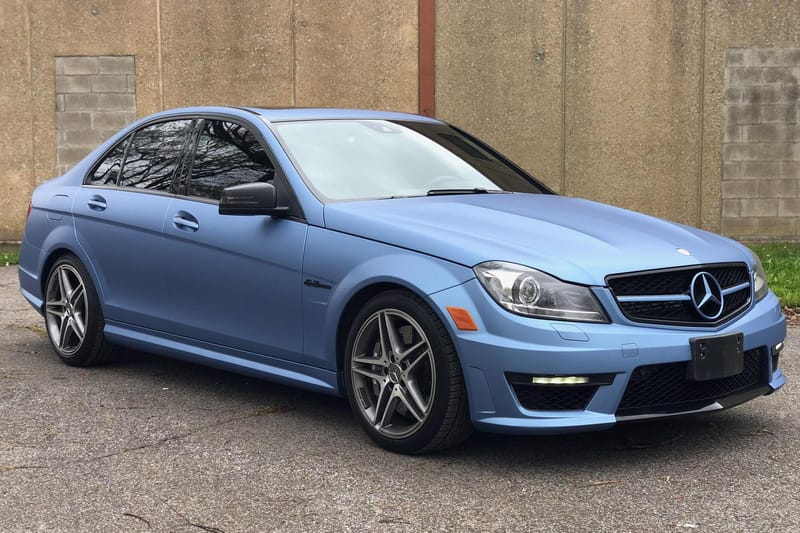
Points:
761	145
624	102
95	98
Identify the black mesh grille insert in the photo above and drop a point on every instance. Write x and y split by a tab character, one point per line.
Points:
665	389
554	398
677	282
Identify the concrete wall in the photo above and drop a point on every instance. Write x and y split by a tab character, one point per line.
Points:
620	101
499	75
249	52
16	137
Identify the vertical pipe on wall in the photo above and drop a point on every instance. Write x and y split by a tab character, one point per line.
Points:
701	118
427	57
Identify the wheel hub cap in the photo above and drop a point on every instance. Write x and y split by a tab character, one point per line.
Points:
395	373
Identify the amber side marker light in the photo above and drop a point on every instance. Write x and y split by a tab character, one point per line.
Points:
462	319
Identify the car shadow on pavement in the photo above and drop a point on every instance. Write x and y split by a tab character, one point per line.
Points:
222	388
699	435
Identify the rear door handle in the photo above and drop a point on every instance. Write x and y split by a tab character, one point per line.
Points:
185	221
97	203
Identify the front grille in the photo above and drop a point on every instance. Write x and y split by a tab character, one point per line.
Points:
635	294
664	388
553	398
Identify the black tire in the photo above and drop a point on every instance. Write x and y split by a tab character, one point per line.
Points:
430	410
73	317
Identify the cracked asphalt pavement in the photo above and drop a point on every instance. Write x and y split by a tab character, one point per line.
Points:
152	444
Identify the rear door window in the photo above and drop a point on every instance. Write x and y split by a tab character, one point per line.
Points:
154	154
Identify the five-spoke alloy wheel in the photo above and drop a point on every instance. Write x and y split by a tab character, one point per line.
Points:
73	316
403	378
66	309
393	372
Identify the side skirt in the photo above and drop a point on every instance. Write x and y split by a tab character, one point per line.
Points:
222	357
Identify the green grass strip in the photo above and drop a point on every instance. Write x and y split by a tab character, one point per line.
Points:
781	262
9	254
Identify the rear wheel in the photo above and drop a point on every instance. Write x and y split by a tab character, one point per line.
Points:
73	316
403	378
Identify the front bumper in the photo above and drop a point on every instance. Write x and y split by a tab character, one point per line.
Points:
507	347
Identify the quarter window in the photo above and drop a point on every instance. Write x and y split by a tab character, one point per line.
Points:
153	155
227	154
107	171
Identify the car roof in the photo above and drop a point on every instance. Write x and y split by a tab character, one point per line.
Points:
285	114
300	113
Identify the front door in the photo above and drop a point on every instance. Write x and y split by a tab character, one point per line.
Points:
234	281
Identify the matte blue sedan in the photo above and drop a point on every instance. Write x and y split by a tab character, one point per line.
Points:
397	261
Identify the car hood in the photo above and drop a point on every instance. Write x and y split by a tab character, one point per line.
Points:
573	239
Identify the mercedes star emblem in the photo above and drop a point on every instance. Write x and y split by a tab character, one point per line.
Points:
707	295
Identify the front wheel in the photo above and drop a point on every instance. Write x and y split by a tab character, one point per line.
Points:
403	378
73	316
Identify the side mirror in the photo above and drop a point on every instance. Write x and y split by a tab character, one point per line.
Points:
251	199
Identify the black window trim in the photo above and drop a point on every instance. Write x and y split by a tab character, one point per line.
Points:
295	209
187	158
524	173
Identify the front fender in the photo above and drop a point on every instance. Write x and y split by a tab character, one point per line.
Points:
344	265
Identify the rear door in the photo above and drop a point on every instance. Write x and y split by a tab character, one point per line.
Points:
119	217
234	281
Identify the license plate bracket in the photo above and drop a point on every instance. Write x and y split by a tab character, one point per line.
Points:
716	357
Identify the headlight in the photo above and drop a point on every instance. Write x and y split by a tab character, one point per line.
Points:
759	279
528	292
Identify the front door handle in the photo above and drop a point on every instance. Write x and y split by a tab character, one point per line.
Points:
97	203
185	221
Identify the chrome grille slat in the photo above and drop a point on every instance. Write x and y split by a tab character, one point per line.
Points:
663	296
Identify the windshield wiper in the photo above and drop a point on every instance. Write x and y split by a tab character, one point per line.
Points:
475	190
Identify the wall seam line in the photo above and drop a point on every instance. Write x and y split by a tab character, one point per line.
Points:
160	59
29	58
702	115
293	29
564	11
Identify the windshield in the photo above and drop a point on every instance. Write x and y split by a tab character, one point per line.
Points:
365	159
